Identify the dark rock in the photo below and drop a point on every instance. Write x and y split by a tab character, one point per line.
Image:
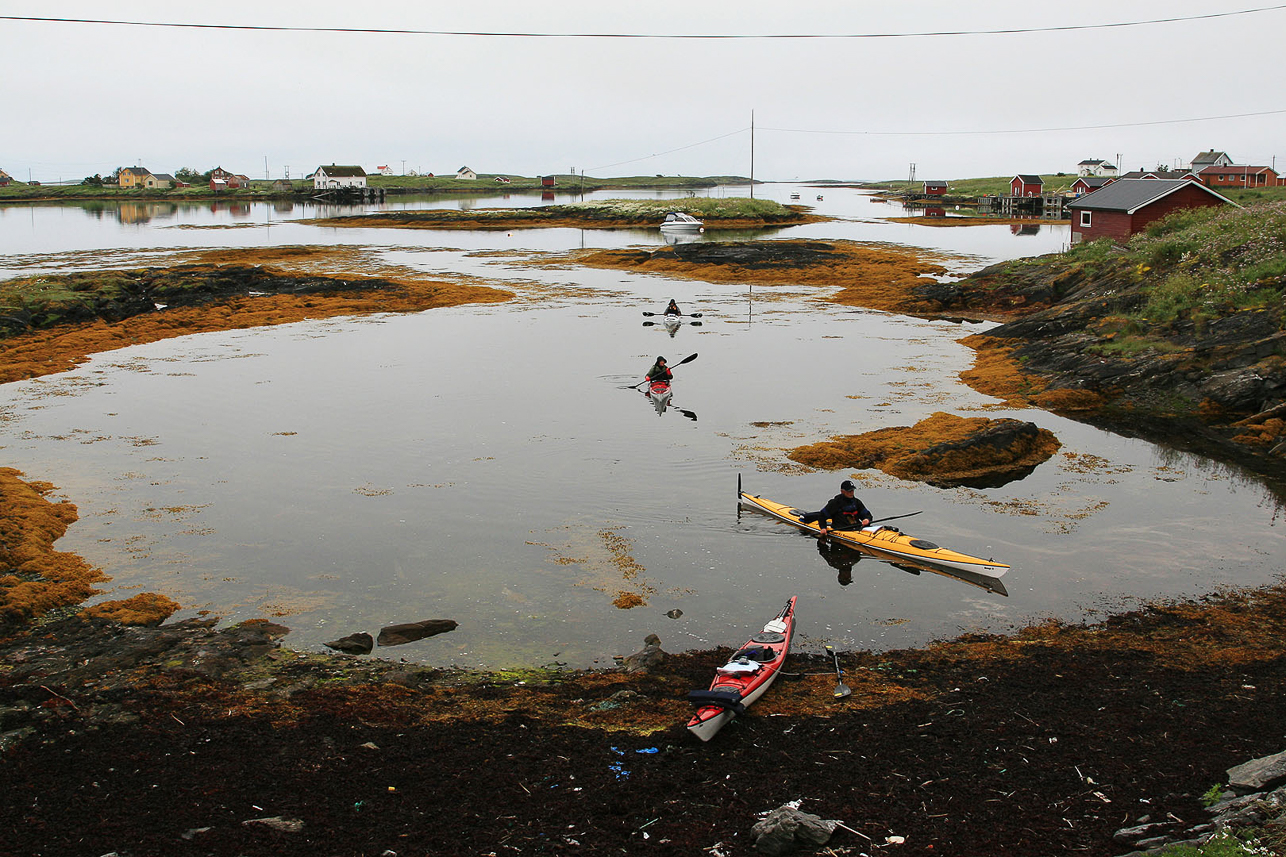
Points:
397	635
646	658
353	644
1258	774
756	255
785	830
277	822
1134	835
1002	452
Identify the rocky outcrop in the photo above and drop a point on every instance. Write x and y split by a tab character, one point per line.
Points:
409	632
943	450
353	644
1255	799
1080	343
646	658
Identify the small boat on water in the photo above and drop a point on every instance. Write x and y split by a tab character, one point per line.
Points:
677	221
660	394
881	540
794	196
745	677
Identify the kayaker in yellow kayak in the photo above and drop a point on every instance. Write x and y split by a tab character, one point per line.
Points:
843	512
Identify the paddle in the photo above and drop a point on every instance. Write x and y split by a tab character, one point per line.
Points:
895	517
841	690
688	314
687	359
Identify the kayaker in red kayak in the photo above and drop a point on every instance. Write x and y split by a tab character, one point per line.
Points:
659	371
843	512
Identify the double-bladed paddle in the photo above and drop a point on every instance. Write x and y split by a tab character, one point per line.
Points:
687	359
688	314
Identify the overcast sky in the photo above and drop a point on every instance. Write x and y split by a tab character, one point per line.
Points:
85	98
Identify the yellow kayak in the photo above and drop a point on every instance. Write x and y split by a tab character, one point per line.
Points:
887	541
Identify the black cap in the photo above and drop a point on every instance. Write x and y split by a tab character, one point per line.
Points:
660	360
847	485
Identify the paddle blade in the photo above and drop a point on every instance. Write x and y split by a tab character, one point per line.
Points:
842	690
687	359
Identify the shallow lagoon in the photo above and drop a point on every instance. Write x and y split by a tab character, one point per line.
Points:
490	465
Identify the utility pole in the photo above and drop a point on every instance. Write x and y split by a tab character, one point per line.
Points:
404	166
752	154
265	168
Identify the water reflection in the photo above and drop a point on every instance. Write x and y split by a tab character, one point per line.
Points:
1024	229
681	237
842	558
663	400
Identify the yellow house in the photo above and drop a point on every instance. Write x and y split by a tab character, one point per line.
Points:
134	177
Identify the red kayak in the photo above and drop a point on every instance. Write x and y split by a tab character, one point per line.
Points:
745	677
660	393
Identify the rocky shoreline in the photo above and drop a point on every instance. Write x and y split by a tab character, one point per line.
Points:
119	733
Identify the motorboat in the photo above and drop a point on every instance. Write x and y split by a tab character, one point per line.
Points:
677	221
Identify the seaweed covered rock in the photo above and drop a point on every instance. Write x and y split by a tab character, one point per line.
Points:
147	609
942	450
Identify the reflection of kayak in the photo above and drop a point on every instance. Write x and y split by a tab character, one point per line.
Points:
886	541
671	321
659	392
745	677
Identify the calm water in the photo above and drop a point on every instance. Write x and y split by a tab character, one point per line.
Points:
492	465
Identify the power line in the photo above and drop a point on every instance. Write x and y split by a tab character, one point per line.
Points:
671	151
696	36
1026	130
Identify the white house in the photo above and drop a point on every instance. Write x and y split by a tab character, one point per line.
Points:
466	174
1095	167
1210	159
331	177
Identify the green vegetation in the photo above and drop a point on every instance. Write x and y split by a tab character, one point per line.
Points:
1229	844
1204	263
994	186
98	187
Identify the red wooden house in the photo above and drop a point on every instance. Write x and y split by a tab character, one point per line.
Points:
1026	185
1089	184
935	188
1126	206
1239	176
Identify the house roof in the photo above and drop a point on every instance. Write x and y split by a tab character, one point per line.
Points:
165	177
935	183
1129	195
464	170
142	171
1093	181
1088	162
1209	157
1157	174
1236	169
340	171
1028	179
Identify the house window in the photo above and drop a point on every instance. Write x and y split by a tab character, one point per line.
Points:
1085	218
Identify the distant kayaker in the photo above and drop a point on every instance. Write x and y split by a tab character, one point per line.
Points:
843	512
659	371
672	309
